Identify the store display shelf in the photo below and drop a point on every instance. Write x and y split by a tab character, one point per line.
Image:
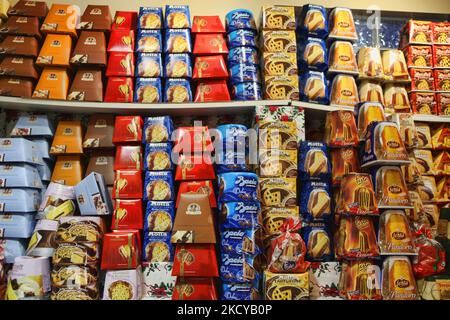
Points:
174	109
319	107
431	118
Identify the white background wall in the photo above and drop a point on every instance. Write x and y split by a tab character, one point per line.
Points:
221	7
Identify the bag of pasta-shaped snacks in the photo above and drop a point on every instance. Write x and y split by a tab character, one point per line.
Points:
287	251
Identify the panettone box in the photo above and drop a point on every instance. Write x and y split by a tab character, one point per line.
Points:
92	196
29	9
99	131
282	113
21	26
96	18
194	221
120	64
124	20
279	41
35	125
279	64
314	21
423	102
278	192
208	44
20	45
369	63
371	92
278	18
128	214
68	170
212	91
121	250
202	187
281	88
366	113
419	56
278	163
128	184
277	134
422	80
443	103
16	66
384	145
19	150
53	84
344	91
119	89
342	58
68	138
121	41
442	80
55	51
158	281
441	32
286	286
62	18
207	24
87	85
128	129
342	25
123	285
394	65
150	18
15	87
441	56
416	32
90	49
102	161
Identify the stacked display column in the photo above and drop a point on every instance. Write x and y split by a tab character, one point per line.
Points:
89	56
210	70
194	235
122	247
121	62
149	62
243	55
177	51
20	47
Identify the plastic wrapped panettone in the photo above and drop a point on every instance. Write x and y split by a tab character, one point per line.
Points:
394	234
367	113
344	91
371	92
396	98
398	282
394	65
369	63
342	58
342	25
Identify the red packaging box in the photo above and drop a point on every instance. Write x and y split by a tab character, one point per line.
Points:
120	64
212	91
443	103
210	67
119	89
127	184
419	56
422	79
128	214
192	139
121	41
442	80
194	289
195	260
128	129
124	20
441	56
194	167
416	32
441	32
198	187
121	250
423	102
207	24
128	158
207	44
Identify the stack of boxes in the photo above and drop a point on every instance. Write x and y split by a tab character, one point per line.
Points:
20	48
121	63
177	54
59	27
194	235
210	49
427	52
122	246
342	66
279	48
20	193
243	55
312	32
149	47
89	56
159	195
240	228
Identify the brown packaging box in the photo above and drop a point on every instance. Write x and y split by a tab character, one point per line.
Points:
21	26
281	87
99	132
193	221
15	87
18	67
102	161
96	17
29	9
279	41
20	45
87	85
90	49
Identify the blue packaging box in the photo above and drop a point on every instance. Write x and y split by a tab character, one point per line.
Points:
20	176
19	200
149	65
17	225
177	17
178	65
148	90
150	18
240	19
246	91
159	216
237	187
149	41
159	186
93	197
157	247
177	91
177	41
158	157
314	87
157	129
242	38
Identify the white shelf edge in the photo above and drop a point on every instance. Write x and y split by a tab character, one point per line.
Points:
431	118
204	108
319	107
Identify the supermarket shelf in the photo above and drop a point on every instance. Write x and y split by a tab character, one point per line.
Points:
175	109
319	107
431	118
